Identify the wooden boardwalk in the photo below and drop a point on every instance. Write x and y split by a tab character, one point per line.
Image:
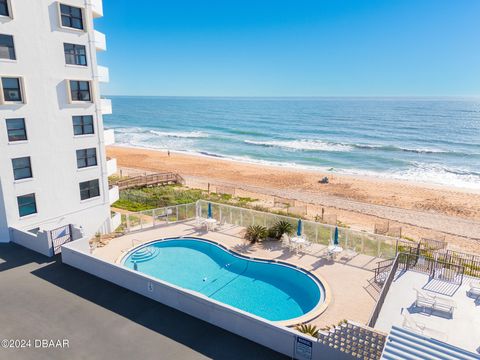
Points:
150	180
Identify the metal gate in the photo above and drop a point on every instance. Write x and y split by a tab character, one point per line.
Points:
60	236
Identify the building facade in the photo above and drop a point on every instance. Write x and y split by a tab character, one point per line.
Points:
53	167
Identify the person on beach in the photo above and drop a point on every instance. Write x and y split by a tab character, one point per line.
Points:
168	152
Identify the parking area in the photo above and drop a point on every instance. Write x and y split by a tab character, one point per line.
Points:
43	299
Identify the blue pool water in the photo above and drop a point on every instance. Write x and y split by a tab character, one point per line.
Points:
272	291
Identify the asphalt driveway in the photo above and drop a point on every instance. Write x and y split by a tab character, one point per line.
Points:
58	312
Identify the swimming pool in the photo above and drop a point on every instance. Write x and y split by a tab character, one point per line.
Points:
276	292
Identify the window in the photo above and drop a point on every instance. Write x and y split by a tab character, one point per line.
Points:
7	49
86	158
80	90
83	125
75	54
11	89
4	10
22	169
89	189
71	17
16	130
27	205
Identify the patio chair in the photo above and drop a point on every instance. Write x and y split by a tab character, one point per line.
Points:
474	290
424	299
349	254
221	224
434	302
285	241
411	324
200	223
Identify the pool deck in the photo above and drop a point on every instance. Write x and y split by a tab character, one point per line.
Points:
348	280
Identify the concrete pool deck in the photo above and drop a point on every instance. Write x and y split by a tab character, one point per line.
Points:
352	296
461	329
42	298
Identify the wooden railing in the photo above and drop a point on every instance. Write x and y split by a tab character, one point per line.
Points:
150	180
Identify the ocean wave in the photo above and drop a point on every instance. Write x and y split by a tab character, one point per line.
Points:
400	148
309	145
180	134
319	145
427	173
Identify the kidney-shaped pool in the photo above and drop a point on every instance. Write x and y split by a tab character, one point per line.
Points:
276	292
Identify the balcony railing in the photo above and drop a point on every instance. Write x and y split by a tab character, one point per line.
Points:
113	194
100	41
111	166
106	106
103	74
97	8
109	137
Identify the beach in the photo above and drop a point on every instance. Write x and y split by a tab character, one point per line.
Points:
360	202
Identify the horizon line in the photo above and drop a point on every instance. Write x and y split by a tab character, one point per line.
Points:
306	97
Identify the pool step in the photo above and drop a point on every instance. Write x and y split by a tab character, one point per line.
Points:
145	254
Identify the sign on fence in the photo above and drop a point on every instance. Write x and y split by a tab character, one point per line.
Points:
303	349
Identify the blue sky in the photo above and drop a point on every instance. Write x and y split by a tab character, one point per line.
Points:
292	48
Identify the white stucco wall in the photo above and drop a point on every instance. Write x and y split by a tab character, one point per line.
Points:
39	40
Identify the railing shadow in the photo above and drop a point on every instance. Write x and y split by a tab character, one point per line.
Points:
441	287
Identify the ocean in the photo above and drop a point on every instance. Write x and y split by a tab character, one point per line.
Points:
420	139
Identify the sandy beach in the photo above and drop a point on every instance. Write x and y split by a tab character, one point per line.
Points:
422	210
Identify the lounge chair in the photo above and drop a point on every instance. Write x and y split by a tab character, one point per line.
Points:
285	241
349	254
221	224
434	302
410	323
474	290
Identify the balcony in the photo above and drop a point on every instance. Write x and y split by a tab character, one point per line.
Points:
113	194
109	137
103	74
97	8
100	41
106	106
115	221
111	166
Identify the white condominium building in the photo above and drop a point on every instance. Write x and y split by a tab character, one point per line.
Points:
53	167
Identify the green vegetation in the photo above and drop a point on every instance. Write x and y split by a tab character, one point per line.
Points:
256	233
279	228
308	329
171	195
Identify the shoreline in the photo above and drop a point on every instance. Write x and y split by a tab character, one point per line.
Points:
311	169
360	202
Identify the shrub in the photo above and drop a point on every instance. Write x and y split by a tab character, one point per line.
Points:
256	233
280	228
308	329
